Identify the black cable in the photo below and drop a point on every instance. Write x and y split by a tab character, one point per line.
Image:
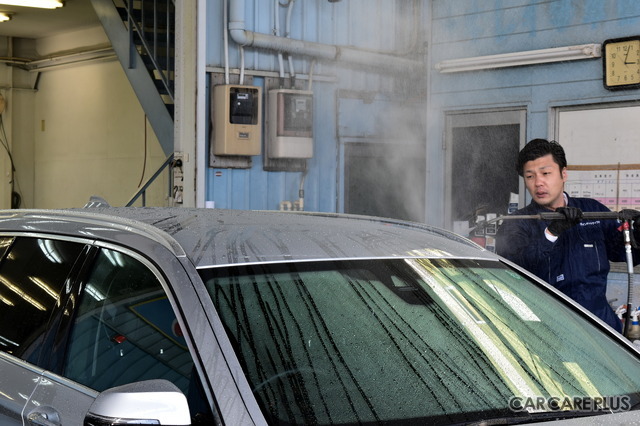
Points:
16	198
5	144
144	163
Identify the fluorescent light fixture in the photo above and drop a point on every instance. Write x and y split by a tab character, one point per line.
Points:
95	293
44	4
4	17
515	59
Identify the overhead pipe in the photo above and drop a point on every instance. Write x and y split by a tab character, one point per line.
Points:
96	54
351	55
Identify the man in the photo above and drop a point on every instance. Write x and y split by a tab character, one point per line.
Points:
571	255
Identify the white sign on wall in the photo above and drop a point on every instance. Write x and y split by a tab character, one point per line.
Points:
600	136
603	153
615	188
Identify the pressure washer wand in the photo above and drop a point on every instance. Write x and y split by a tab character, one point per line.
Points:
551	216
629	242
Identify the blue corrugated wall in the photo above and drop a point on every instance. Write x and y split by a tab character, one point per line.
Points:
389	26
355	104
469	28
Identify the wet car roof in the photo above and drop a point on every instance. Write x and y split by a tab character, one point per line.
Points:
223	237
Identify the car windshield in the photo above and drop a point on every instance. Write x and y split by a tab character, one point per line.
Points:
406	340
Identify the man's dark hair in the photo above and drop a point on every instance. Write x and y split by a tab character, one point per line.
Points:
537	148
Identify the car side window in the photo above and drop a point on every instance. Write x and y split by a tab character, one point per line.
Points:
33	273
5	243
125	329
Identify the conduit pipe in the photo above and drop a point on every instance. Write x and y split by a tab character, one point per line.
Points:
225	38
241	65
323	51
287	34
276	32
100	53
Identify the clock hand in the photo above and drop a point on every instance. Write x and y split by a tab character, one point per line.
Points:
626	56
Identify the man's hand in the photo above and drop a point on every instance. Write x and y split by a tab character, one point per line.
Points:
629	214
572	216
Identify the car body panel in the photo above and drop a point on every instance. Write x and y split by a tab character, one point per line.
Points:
250	237
71	401
164	253
17	382
177	242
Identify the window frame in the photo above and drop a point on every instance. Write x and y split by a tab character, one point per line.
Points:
52	356
66	330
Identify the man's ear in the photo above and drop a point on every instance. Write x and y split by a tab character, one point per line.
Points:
564	174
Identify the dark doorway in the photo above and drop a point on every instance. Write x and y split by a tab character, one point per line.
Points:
385	179
483	169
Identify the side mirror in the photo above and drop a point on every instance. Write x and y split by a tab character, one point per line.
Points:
151	402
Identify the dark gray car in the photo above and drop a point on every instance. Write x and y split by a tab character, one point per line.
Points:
202	316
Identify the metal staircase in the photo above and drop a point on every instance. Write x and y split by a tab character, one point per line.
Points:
142	35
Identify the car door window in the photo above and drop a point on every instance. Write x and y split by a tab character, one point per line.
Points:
32	276
125	329
5	243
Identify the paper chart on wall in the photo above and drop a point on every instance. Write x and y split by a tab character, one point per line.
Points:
617	187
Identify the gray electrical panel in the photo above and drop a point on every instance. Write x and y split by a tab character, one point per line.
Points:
289	124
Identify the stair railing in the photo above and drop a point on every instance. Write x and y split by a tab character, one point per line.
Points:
161	11
141	192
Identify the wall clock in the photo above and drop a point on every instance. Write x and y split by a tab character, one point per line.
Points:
621	63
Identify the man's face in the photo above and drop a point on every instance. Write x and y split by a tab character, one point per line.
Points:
545	181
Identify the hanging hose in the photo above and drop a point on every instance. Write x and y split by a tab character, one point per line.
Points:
632	298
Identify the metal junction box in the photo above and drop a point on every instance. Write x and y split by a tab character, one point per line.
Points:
237	120
289	124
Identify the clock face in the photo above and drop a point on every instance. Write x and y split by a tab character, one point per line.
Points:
621	63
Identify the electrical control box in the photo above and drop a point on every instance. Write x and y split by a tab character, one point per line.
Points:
237	120
290	124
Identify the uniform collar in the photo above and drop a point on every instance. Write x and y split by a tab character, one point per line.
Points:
540	208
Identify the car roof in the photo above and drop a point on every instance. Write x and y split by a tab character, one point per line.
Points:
215	237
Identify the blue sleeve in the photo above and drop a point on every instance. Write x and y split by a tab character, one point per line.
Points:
524	244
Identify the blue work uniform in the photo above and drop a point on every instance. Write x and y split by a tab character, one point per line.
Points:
577	263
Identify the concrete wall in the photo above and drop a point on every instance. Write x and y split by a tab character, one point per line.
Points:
90	137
